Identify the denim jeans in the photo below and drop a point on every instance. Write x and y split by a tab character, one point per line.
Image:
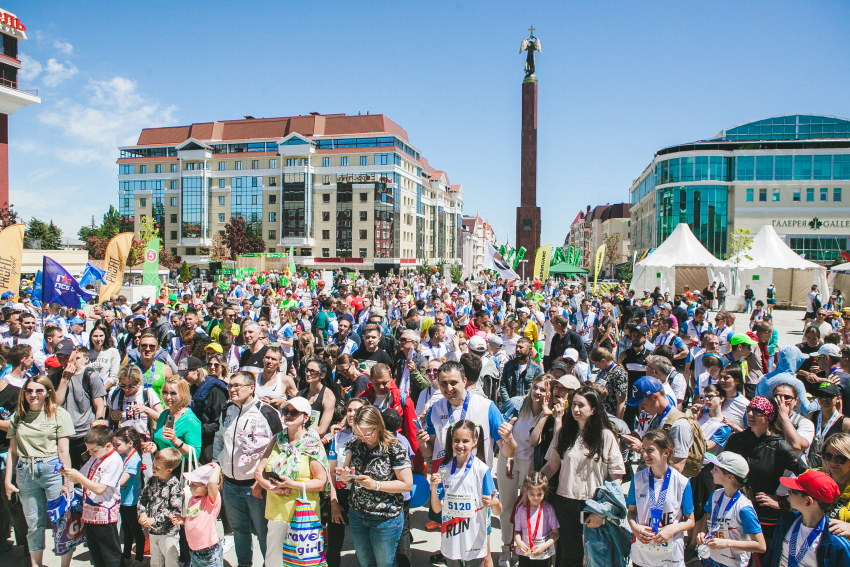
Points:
37	484
209	557
247	515
748	305
375	538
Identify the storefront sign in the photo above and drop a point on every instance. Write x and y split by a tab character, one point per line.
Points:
9	24
813	224
362	178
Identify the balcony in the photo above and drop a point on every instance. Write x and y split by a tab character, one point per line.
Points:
14	95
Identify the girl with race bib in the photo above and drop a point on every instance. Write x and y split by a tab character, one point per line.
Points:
464	491
535	548
733	527
661	507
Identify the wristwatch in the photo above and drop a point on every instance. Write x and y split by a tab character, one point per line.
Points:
378	486
181	445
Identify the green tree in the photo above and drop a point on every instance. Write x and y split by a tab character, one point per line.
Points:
425	268
457	272
185	276
740	242
49	235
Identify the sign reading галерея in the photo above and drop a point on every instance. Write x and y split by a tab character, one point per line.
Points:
813	224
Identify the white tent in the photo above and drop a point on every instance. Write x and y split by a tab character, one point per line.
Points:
839	277
771	260
680	260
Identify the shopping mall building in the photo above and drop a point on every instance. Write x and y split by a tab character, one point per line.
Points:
342	190
790	171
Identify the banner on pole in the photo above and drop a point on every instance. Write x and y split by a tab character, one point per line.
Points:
150	272
542	262
11	256
114	263
600	255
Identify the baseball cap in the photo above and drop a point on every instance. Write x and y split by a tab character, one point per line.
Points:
645	386
200	474
647	290
559	365
524	310
827	390
477	344
215	347
496	341
378	312
146	296
816	484
188	365
299	403
829	349
733	463
642	329
569	382
742	338
65	346
289	292
7	295
572	354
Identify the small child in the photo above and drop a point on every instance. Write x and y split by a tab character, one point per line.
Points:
713	364
466	485
802	537
100	478
661	507
535	547
160	503
758	313
128	444
204	545
734	529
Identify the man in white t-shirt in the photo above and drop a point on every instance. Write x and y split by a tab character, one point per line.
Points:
660	368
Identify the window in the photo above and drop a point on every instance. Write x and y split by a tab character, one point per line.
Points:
174	184
191	251
764	168
221	201
174	201
255	164
763	195
305	161
775	195
173	168
326	162
749	195
173	235
802	167
238	165
174	251
796	195
326	252
326	180
291	162
823	167
306	252
272	250
272	216
174	218
746	168
220	217
810	195
158	168
143	169
326	216
125	169
272	235
143	202
272	164
253	199
824	194
364	215
364	160
221	183
343	161
272	181
362	252
836	194
363	235
364	197
326	198
272	199
222	166
326	235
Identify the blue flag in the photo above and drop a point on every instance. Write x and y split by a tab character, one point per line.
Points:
91	274
36	290
58	286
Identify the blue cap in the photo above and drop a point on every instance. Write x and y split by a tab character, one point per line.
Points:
76	321
7	295
645	386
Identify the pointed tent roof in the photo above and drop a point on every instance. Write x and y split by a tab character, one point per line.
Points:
682	249
770	251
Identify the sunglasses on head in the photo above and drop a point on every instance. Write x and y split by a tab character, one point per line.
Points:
839	460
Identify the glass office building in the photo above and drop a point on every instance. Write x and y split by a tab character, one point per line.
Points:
790	171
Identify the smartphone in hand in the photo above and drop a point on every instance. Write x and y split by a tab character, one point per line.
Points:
169	421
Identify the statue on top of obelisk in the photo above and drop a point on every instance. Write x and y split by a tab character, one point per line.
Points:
530	45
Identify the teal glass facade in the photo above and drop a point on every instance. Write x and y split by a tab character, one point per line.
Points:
704	208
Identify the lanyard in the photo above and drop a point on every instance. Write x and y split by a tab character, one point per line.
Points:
93	469
715	517
659	420
793	557
128	457
466	470
819	432
532	535
462	412
151	372
522	331
603	373
656	508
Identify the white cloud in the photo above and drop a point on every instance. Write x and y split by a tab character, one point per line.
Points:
63	46
30	68
56	72
113	116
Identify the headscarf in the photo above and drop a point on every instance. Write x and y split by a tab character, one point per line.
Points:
288	462
763	404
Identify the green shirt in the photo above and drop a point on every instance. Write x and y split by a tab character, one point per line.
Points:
38	436
187	428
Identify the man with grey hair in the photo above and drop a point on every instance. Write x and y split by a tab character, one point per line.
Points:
660	368
409	364
255	348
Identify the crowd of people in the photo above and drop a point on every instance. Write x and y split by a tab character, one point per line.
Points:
255	401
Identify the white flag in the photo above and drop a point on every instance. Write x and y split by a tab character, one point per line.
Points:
493	261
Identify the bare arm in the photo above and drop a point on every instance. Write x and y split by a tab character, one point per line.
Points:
327	413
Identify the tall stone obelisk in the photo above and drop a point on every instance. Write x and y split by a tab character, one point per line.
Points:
528	213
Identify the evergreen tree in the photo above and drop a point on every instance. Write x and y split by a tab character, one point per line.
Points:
185	276
49	235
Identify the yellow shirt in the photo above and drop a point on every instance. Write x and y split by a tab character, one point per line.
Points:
280	508
529	331
234	330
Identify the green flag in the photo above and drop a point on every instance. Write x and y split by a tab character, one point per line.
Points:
292	260
150	275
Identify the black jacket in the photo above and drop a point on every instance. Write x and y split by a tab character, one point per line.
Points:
208	409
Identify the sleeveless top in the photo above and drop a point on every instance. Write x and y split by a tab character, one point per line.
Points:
316	407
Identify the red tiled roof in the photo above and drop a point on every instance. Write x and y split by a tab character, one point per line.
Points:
454	187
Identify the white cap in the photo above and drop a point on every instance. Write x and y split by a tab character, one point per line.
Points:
829	349
476	343
524	310
299	403
571	354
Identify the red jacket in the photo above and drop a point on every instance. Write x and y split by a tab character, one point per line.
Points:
407	413
471	329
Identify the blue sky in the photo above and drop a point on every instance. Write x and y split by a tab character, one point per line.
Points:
618	80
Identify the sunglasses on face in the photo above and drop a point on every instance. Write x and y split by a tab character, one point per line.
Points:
839	460
293	413
35	392
755	411
147	347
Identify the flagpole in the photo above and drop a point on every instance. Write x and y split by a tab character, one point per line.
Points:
42	292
